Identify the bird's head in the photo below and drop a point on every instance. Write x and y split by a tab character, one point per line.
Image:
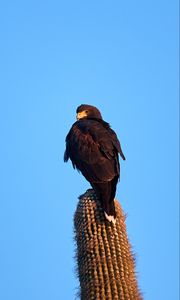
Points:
88	112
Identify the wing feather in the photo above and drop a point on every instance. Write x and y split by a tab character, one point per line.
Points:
93	149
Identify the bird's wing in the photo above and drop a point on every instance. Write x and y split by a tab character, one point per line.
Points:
116	143
93	149
80	146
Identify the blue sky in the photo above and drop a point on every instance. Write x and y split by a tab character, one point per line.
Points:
123	58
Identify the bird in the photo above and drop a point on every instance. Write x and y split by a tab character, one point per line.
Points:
94	148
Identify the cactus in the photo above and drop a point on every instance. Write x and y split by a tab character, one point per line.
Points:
105	264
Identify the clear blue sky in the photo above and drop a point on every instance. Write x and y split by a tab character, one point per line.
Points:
121	56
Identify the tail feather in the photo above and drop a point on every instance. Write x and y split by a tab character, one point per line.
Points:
110	218
106	192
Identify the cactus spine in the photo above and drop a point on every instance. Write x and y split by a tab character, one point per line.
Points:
106	267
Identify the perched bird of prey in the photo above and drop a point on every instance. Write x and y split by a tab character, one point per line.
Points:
93	148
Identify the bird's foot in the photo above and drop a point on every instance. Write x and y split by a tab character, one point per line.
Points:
110	218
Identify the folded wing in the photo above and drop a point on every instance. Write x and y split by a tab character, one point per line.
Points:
93	148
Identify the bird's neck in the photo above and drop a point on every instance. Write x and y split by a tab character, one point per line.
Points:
105	124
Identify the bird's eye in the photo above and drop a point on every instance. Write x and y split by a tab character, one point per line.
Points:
86	111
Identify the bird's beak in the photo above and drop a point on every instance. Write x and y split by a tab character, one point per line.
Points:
81	115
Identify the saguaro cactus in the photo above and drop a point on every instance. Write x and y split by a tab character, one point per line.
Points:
105	263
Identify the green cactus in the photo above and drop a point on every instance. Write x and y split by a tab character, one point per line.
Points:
105	263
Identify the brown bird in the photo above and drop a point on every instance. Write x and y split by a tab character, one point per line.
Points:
93	148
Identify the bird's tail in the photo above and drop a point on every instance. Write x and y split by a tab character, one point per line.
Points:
110	218
106	193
